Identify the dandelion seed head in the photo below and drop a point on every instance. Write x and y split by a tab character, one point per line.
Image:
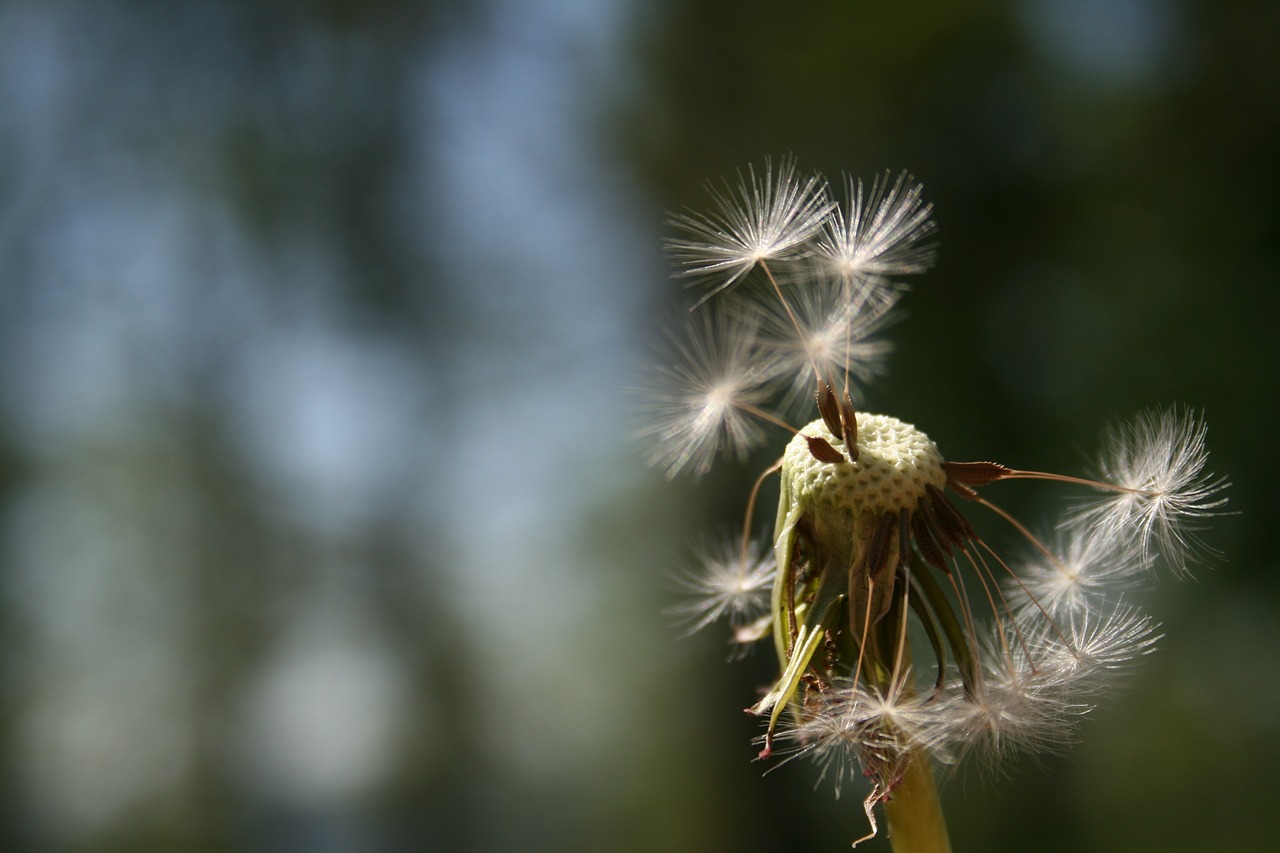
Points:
871	549
896	465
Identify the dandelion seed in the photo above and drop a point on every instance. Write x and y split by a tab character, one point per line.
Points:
851	721
728	581
880	236
1158	460
702	392
1084	568
826	335
1098	644
1023	706
766	217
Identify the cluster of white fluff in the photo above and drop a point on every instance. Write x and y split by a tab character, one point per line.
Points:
793	288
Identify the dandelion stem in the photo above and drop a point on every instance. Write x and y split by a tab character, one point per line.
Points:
913	809
916	822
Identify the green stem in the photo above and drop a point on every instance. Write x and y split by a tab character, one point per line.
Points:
916	822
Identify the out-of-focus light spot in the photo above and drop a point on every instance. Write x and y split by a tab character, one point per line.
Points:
97	745
1104	42
332	425
322	721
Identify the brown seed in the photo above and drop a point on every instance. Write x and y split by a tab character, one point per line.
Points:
829	408
850	422
823	451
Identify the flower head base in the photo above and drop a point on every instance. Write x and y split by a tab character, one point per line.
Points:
871	550
861	511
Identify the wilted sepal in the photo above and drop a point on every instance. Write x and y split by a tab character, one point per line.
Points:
802	614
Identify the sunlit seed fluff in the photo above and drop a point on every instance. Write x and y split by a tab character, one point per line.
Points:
694	405
851	723
881	234
725	582
1095	644
1041	676
1017	710
766	216
1084	569
1159	458
832	330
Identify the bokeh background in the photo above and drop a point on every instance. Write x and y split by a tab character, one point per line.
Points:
320	526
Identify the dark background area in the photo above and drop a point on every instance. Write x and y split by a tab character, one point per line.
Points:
320	524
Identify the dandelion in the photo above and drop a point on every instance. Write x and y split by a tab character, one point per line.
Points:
903	637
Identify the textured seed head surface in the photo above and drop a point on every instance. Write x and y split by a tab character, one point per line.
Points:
896	462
